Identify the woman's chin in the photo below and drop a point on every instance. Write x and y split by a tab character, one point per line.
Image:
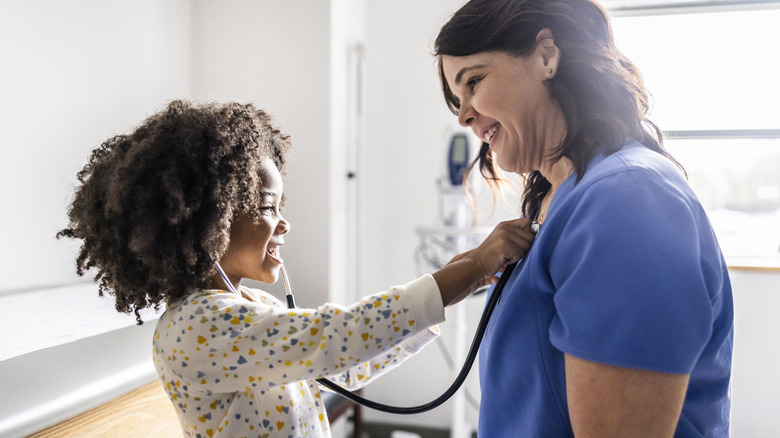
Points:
511	167
518	166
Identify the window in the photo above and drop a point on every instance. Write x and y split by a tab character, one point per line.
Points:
714	79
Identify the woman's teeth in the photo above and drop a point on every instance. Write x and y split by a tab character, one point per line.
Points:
491	132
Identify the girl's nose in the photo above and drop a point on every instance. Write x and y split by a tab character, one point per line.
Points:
283	227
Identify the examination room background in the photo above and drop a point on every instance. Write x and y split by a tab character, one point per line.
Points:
355	85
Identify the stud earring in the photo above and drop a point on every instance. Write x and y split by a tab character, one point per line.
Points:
549	70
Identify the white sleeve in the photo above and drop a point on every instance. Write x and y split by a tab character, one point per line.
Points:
424	293
220	342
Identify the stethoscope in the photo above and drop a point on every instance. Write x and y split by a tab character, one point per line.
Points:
472	354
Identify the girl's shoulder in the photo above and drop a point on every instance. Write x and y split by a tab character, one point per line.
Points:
260	296
217	299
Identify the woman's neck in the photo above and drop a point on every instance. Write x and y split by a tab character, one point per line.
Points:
557	172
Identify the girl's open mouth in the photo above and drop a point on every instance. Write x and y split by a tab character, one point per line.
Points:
273	252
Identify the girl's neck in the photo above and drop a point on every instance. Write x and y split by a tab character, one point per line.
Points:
218	283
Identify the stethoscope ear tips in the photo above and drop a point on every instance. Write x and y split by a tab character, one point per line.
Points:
224	276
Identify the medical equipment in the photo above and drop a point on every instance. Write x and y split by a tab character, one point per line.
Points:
491	304
458	158
287	288
225	278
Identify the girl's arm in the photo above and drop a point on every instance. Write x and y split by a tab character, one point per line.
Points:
219	342
366	372
465	273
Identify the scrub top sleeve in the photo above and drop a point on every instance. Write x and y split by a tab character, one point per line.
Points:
627	271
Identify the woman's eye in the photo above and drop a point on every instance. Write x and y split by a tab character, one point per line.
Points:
471	83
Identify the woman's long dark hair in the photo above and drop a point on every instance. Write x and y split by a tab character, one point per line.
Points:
600	91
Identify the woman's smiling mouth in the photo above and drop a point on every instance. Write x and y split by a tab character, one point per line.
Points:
491	132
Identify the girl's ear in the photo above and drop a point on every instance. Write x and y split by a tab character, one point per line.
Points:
548	53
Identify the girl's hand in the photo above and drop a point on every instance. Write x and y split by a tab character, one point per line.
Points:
507	243
475	286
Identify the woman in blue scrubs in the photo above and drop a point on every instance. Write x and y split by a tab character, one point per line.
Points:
619	321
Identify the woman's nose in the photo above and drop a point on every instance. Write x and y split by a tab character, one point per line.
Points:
466	114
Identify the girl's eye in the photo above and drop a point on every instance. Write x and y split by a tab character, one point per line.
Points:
268	209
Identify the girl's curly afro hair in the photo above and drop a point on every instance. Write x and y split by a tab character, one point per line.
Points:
154	207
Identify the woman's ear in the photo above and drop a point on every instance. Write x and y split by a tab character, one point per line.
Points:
548	53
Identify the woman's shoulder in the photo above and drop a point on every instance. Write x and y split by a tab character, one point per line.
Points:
633	184
633	160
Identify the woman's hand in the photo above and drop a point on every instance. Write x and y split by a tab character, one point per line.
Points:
507	243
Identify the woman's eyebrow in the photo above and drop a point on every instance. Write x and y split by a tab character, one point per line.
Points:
462	71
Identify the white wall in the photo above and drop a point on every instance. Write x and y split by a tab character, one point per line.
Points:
73	74
755	381
290	58
347	141
276	54
407	130
408	127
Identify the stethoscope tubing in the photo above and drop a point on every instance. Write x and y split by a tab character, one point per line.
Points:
456	384
472	354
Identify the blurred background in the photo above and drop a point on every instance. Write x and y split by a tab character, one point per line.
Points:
369	192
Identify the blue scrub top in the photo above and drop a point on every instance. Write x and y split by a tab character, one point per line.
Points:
625	271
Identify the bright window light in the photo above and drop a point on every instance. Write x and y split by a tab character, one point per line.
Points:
715	82
717	70
738	182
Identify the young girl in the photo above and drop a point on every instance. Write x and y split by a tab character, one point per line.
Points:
200	186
